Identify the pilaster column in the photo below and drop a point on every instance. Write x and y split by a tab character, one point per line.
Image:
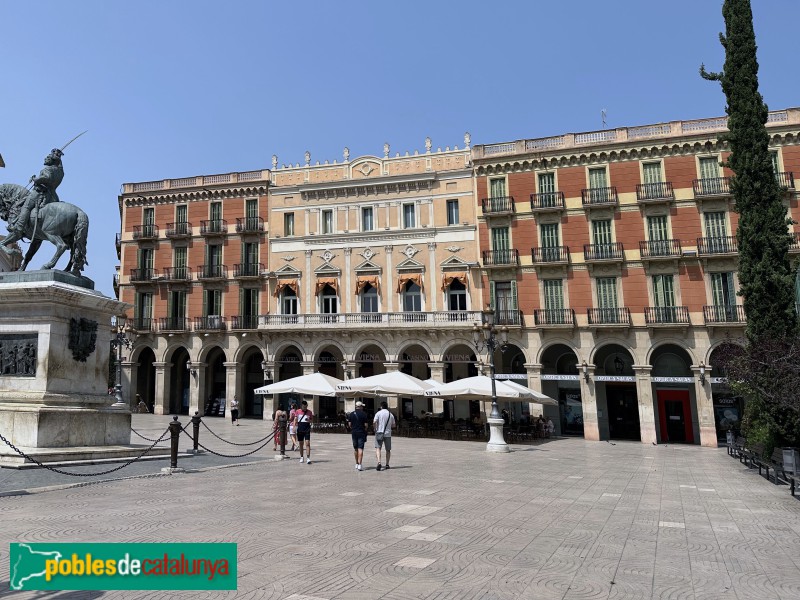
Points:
309	367
391	367
197	389
308	276
129	372
644	395
388	280
347	284
705	408
162	385
437	373
233	385
534	371
433	295
591	427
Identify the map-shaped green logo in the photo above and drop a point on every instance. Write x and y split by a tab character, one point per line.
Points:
27	565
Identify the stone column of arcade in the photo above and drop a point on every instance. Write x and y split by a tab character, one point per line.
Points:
197	388
162	370
232	387
309	368
591	426
644	394
437	373
129	383
534	371
393	401
705	406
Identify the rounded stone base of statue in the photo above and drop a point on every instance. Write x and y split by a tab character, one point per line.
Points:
496	441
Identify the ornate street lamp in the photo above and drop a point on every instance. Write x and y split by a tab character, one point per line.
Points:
124	336
490	338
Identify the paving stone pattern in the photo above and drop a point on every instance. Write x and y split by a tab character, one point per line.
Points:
565	519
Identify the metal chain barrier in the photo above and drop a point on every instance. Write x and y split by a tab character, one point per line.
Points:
233	443
268	438
143	437
62	472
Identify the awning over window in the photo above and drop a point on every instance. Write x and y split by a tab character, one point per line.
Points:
286	283
448	278
402	280
323	281
362	282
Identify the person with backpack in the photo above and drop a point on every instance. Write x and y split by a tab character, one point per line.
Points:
382	425
357	423
302	422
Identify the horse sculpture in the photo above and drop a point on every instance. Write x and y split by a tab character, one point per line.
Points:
64	225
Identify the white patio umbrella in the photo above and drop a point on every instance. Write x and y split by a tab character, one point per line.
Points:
480	388
539	397
394	383
316	384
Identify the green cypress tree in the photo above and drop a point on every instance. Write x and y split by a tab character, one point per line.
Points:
765	275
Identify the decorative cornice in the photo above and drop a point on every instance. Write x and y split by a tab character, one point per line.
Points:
196	195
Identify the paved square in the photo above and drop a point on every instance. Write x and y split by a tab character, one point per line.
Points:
624	522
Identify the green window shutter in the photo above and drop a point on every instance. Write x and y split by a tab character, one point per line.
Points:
180	214
547	183
722	289
606	292
597	178
601	231
709	167
716	227
553	294
491	295
497	188
149	216
663	290
180	258
651	172
251	208
549	235
657	228
514	303
773	155
500	242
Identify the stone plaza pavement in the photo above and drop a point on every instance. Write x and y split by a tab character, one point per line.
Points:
563	519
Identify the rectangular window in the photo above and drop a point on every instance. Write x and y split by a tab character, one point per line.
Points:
143	311
328	302
547	183
146	259
651	172
288	224
212	303
500	241
553	296
663	290
250	253
149	216
177	309
709	167
550	242
367	219
327	221
249	302
215	211
289	303
251	208
606	292
657	228
723	291
601	232
452	212
503	298
409	216
716	226
214	254
597	178
412	299
179	260
369	300
497	188
181	212
773	155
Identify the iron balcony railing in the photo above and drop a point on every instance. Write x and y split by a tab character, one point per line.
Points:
214	227
542	317
546	201
660	248
609	251
248	269
145	232
723	313
249	225
659	191
609	316
210	323
443	319
172	324
143	275
794	244
244	322
599	196
550	254
142	324
717	245
212	272
179	229
177	274
507	317
493	258
666	315
785	179
499	205
712	186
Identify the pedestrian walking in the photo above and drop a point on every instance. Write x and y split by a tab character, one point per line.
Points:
235	411
357	423
292	428
382	426
302	419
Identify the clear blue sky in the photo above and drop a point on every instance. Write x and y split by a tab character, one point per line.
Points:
176	89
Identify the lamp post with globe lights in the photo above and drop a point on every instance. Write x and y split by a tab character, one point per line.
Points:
487	336
123	336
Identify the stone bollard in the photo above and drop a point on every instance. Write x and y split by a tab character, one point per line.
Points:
282	433
196	419
175	433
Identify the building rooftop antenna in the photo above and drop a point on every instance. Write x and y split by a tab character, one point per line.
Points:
603	114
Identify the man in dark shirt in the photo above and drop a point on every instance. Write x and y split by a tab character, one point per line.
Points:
358	421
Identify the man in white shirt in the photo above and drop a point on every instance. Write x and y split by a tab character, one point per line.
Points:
382	425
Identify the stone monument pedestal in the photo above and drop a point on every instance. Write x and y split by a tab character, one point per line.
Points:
55	341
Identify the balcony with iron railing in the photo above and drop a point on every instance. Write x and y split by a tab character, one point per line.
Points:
145	232
244	322
502	205
177	274
210	323
609	316
666	315
249	225
214	227
554	317
725	244
212	272
650	193
142	324
548	202
785	180
724	314
500	258
115	284
118	244
507	316
712	187
166	324
550	254
794	245
180	229
143	275
247	270
604	196
610	252
656	249
443	320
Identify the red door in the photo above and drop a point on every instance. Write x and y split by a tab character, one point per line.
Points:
675	416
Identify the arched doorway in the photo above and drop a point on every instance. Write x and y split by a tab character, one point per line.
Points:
329	362
510	365
179	383
146	379
371	361
728	407
215	401
615	385
413	360
288	366
560	379
253	404
460	362
673	385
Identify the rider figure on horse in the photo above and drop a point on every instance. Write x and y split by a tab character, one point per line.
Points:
43	192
